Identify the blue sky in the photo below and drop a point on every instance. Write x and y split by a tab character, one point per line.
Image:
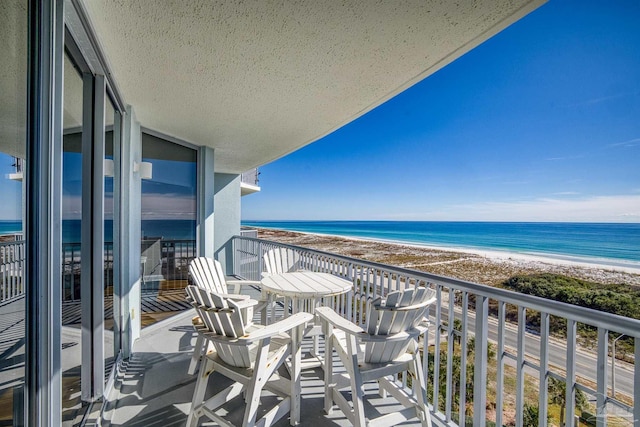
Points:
539	123
10	190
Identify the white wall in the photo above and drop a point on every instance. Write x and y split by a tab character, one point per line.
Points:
131	225
227	216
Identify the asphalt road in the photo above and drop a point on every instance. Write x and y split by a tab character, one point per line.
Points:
585	359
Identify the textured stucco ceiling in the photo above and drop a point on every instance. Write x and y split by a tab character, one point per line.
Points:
13	77
259	79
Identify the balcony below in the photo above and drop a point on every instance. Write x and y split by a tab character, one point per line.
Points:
249	182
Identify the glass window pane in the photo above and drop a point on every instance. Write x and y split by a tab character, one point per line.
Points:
168	226
72	405
109	281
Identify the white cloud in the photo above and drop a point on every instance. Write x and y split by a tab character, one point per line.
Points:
626	144
154	206
566	193
168	206
623	208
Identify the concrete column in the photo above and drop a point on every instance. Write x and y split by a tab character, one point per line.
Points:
227	221
130	221
206	192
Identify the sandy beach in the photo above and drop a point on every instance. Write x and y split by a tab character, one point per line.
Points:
484	267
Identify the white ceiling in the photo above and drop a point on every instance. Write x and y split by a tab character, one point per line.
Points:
13	76
259	79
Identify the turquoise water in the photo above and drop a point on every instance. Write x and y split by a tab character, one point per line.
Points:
10	227
175	229
616	242
168	229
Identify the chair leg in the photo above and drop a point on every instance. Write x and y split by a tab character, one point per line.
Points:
255	385
294	412
198	394
195	357
420	391
357	386
357	393
328	373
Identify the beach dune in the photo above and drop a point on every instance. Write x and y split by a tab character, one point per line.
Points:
478	266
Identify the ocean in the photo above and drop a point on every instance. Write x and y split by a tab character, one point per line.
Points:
10	227
611	243
168	229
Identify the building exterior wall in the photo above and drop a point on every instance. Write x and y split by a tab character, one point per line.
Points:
227	216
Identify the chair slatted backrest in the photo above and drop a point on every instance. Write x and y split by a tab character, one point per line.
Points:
401	312
281	260
223	317
207	274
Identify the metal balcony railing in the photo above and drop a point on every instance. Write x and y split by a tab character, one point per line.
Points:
163	260
501	338
249	232
171	266
250	177
18	163
12	258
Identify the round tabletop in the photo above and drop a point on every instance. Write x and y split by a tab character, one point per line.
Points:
306	284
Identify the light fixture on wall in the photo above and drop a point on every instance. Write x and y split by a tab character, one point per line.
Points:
144	168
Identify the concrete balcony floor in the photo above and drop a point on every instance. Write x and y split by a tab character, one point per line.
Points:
156	389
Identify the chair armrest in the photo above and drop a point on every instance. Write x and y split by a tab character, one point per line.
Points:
237	284
235	297
298	319
407	308
243	282
245	303
240	304
328	315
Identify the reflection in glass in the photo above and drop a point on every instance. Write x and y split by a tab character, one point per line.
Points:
13	119
168	226
109	283
72	405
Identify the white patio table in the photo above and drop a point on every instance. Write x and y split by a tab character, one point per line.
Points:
304	290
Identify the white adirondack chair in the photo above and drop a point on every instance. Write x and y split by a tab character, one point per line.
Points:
386	346
206	273
280	260
277	261
250	356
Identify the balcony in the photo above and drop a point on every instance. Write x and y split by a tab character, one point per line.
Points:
249	182
503	339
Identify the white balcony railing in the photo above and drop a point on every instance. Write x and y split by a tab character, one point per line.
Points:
250	177
472	316
12	258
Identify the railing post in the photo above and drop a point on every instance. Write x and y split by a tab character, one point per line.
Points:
522	320
480	368
500	355
436	350
450	342
601	368
636	381
570	396
463	366
544	366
